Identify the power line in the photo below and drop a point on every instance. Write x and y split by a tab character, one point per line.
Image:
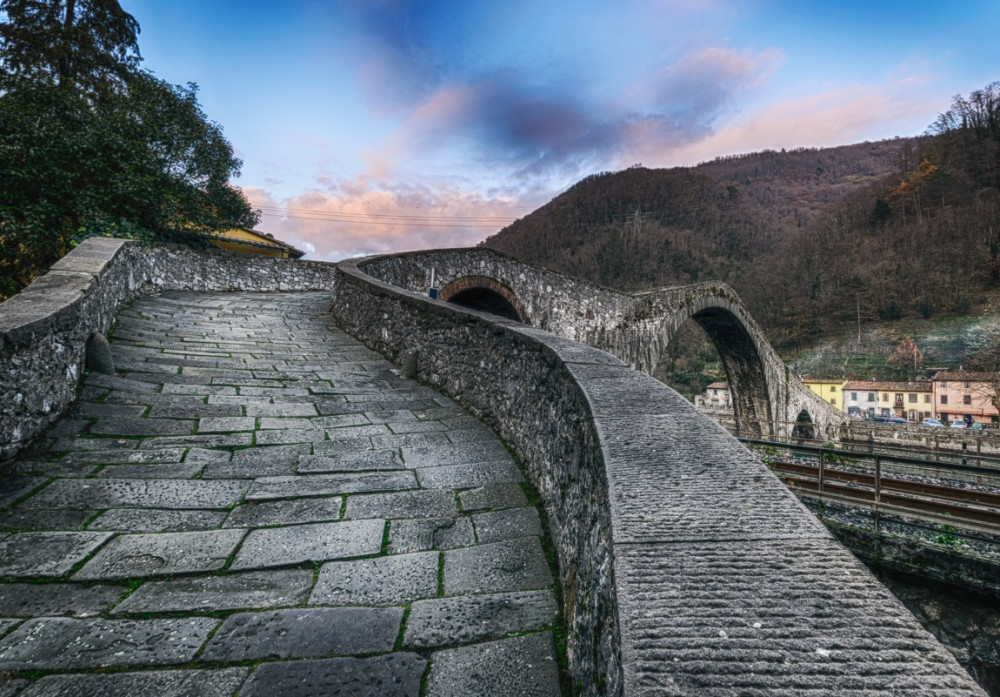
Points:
357	221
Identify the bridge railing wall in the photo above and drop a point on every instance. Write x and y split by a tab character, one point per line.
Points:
521	382
44	329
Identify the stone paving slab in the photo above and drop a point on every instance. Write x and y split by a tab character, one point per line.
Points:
168	471
350	462
129	556
392	675
158	683
523	666
507	524
238	591
13	488
39	554
453	454
125	457
57	599
304	633
156	520
267	488
312	542
61	643
511	565
392	580
149	493
122	426
431	503
42	519
491	496
469	476
429	533
329	538
467	619
265	513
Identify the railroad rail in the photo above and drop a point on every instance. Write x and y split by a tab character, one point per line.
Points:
866	482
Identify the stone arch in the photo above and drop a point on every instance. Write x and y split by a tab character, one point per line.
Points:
486	295
804	429
742	358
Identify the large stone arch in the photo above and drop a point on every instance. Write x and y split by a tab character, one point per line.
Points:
742	358
485	294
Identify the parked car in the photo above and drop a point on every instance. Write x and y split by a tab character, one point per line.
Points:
958	424
932	422
897	420
977	427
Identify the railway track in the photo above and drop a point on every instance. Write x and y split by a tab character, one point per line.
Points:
938	503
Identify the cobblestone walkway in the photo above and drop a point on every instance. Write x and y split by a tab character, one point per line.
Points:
257	506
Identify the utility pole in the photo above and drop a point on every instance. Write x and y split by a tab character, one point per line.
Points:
859	321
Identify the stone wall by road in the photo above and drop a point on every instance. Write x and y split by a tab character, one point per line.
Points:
44	328
687	567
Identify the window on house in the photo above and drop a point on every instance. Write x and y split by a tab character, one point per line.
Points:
927	399
944	399
927	415
913	399
967	399
885	396
965	384
899	398
833	388
833	401
854	396
871	396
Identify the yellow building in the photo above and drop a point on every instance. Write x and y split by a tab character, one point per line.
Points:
253	242
830	391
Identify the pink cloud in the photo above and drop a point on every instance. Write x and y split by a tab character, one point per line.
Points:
360	217
834	117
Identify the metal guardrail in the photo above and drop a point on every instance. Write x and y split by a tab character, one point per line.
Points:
869	488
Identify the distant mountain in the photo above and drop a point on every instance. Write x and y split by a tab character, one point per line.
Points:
810	238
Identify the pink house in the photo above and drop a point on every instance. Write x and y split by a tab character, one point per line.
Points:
969	397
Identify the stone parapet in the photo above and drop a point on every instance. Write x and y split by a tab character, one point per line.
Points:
687	568
44	328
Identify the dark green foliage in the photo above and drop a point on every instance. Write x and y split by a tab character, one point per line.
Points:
91	145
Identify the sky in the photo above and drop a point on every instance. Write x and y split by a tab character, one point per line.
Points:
377	126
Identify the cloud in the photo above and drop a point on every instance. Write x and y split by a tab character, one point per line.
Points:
361	216
833	117
540	130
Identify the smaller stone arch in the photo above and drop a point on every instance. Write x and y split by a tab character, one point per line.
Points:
804	429
486	295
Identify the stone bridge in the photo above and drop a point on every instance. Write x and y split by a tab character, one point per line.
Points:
226	516
637	328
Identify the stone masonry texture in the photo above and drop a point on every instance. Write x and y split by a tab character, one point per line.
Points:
255	502
250	568
686	567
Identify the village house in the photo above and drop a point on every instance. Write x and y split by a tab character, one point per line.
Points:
717	397
912	401
830	391
964	396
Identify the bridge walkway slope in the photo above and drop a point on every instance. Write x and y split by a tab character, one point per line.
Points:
258	505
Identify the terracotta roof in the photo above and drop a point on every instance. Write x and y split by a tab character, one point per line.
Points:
834	381
877	386
718	386
963	376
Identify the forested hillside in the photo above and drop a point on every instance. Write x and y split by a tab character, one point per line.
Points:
809	238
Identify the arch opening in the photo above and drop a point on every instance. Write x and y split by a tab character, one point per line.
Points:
804	430
485	300
749	396
485	295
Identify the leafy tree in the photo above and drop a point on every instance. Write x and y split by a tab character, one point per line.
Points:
92	145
